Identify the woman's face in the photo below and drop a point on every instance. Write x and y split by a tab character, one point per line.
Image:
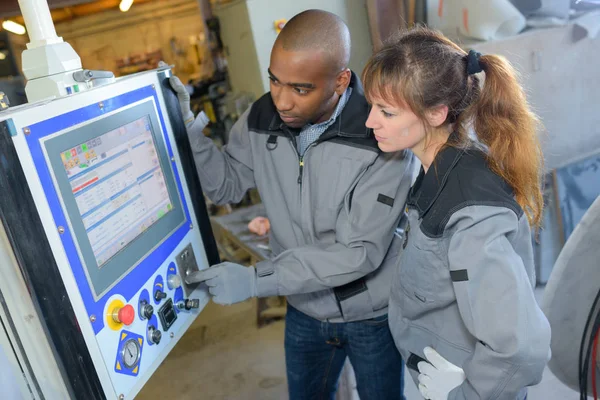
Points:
395	128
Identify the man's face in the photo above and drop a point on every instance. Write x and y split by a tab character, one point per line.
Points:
304	87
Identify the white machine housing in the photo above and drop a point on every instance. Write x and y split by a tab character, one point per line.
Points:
32	321
49	63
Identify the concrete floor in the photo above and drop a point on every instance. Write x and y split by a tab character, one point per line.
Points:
225	357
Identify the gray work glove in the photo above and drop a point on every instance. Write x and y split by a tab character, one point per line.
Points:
228	283
184	104
194	126
184	100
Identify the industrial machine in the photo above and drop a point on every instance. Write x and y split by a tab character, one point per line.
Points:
102	217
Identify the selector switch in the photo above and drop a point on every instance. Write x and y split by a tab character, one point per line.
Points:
154	335
186	265
146	310
159	295
173	281
188	304
124	315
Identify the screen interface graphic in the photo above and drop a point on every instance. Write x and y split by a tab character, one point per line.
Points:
119	186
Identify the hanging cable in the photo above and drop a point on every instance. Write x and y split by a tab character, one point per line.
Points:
594	354
584	356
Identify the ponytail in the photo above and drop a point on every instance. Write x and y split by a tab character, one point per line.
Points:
505	124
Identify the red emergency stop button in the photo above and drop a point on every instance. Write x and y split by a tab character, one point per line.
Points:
124	315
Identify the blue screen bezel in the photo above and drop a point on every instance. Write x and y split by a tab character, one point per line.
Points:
131	283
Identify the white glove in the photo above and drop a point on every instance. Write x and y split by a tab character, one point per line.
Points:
436	380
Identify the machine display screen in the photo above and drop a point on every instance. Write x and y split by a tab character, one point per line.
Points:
119	186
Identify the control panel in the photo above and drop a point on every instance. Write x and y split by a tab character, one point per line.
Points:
107	177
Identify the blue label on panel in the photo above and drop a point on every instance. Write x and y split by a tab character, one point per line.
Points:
129	353
136	278
172	269
11	127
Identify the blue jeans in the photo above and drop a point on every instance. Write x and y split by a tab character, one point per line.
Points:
315	353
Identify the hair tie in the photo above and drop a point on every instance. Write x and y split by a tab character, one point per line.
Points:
473	64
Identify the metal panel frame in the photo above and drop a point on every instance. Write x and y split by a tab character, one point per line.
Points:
33	255
39	252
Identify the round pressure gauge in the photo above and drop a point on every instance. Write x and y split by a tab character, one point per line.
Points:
131	353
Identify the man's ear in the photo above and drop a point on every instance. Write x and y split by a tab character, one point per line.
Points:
437	115
342	81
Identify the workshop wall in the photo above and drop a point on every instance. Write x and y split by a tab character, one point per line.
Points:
134	41
353	12
248	30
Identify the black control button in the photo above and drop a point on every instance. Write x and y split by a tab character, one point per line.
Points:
159	295
192	303
154	335
146	310
188	304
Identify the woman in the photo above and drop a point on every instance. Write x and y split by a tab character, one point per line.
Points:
462	309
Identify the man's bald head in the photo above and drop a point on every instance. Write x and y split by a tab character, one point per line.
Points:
318	30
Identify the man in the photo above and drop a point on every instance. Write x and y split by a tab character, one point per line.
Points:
333	201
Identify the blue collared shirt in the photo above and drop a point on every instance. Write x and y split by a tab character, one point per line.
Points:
311	132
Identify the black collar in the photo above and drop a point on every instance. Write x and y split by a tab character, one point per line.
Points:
428	186
350	122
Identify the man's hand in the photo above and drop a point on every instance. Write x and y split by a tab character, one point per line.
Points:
228	283
259	226
436	380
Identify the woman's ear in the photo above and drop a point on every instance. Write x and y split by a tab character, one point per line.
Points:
437	115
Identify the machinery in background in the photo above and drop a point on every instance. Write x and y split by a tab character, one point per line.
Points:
139	62
214	94
571	303
8	56
12	83
221	105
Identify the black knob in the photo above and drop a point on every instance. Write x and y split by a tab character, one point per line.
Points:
159	295
154	335
147	310
192	303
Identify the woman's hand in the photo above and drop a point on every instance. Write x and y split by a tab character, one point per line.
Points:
438	377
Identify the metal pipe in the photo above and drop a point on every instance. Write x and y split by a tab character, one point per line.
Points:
38	21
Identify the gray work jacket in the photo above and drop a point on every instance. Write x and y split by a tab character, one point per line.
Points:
464	283
332	212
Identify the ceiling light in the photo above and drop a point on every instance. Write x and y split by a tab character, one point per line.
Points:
125	5
13	27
